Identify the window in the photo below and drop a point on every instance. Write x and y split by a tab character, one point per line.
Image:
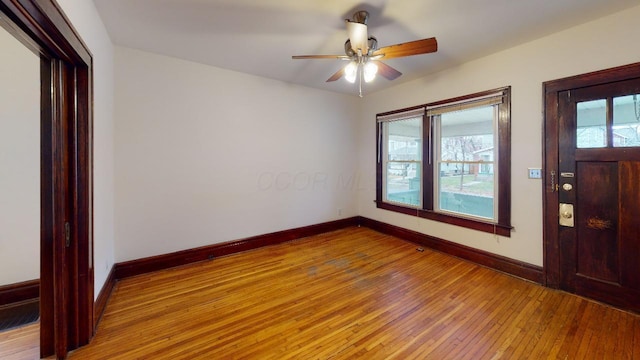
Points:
402	158
596	128
449	161
592	124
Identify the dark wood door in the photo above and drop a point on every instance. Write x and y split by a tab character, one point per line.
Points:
598	186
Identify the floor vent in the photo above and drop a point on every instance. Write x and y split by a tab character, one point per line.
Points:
19	314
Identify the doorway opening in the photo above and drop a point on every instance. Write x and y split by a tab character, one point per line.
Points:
66	255
20	192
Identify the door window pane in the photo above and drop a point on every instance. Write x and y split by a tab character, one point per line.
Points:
626	121
591	124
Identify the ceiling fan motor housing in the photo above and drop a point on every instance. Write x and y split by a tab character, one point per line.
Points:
373	46
361	17
348	50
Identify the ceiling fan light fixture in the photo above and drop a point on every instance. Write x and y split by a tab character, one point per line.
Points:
363	53
351	72
370	70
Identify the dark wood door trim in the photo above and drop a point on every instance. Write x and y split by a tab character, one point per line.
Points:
66	170
552	146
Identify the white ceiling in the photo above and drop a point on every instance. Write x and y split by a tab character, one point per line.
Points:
259	36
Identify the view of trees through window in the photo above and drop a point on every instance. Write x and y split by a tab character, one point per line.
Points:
466	159
439	161
470	156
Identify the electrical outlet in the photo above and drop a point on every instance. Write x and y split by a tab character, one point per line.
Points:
535	173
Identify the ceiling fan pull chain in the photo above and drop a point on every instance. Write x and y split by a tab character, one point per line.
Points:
360	79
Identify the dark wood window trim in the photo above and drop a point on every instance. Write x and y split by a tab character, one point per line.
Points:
503	225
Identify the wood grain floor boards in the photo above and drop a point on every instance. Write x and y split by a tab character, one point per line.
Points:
349	294
352	293
20	343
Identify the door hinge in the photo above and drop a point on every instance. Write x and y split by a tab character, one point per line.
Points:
67	234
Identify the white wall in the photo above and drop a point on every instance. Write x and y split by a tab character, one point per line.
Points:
607	42
206	155
85	19
19	162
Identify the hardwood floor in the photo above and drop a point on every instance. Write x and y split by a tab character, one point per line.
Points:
20	343
353	293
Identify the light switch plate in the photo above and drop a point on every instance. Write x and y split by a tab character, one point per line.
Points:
535	173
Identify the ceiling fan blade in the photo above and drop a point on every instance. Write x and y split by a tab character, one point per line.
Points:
339	57
337	75
387	71
358	36
417	47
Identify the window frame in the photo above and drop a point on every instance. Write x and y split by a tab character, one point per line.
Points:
502	225
384	152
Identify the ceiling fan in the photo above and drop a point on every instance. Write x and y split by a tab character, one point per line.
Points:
364	56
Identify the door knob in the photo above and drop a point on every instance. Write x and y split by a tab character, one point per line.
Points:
566	215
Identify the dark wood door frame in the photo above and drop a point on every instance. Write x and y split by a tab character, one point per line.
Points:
551	148
66	270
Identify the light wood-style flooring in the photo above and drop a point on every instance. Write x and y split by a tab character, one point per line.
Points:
349	294
20	343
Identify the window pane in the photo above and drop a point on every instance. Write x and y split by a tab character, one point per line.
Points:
464	133
468	193
404	140
626	121
592	124
403	183
466	162
402	158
